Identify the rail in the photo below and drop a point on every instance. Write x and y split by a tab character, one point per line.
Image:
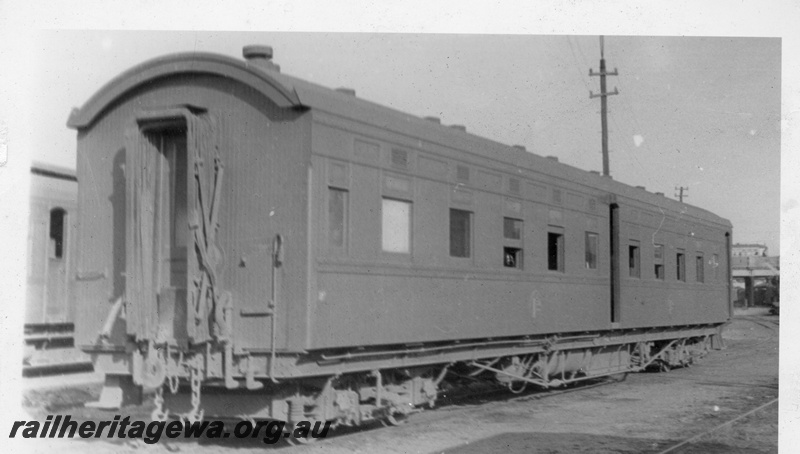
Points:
716	428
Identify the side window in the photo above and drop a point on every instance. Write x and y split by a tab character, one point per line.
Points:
700	268
592	244
337	218
57	236
634	268
396	226
512	229
555	249
715	263
658	260
512	249
680	264
512	257
460	233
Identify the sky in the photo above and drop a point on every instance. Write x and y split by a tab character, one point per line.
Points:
701	113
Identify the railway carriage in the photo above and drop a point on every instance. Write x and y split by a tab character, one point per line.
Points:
254	244
50	249
49	304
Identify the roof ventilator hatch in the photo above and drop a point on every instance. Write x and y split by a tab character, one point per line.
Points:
260	56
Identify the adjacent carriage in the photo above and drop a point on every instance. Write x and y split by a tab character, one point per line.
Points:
50	303
252	244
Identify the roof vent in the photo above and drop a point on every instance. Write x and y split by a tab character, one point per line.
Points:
660	193
434	120
520	147
596	172
347	91
553	158
260	56
639	187
459	127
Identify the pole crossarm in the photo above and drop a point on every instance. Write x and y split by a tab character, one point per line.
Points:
603	108
603	73
592	95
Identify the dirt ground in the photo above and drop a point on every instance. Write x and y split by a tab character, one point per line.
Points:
644	413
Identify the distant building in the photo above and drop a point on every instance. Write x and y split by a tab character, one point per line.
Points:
749	250
755	275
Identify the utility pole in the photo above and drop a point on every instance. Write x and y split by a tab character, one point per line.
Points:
679	190
603	108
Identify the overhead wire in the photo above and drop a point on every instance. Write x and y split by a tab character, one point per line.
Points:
611	111
577	64
692	130
583	75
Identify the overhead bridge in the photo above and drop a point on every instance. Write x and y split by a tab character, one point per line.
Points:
755	266
750	268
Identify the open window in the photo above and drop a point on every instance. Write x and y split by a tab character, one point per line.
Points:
634	264
555	249
658	261
592	246
512	247
680	266
57	233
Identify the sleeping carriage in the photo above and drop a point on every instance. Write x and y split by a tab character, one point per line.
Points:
254	244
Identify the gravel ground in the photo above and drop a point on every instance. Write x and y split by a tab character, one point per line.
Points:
645	413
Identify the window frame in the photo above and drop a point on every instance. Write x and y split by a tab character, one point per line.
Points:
520	228
715	257
516	253
513	252
558	234
680	265
57	233
591	261
658	262
468	244
345	194
634	260
699	271
409	236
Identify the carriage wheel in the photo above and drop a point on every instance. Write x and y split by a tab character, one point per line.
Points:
394	418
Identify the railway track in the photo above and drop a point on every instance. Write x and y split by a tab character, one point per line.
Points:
744	351
674	448
767	323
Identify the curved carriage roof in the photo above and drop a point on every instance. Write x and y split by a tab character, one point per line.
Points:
290	92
